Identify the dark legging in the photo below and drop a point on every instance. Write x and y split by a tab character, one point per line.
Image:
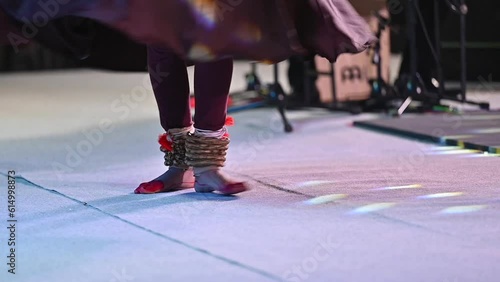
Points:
169	78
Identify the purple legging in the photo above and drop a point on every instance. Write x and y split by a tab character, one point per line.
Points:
170	82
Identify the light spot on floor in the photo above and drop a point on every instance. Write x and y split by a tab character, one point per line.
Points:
413	186
373	207
463	209
456	152
325	199
441	195
313	183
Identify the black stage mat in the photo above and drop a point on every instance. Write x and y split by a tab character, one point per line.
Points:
472	130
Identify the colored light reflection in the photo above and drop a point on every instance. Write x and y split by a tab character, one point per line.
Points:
313	183
372	208
206	11
486	131
201	52
413	186
456	152
325	199
483	155
441	195
463	209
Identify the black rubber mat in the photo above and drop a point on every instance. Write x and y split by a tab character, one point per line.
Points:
475	130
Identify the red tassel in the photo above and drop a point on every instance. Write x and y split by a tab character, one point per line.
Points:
164	143
229	121
192	102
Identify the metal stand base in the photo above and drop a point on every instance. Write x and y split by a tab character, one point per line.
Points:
272	95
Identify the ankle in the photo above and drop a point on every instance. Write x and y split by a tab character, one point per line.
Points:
202	169
219	134
176	132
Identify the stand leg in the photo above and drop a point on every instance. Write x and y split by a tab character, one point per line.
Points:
253	81
463	79
404	106
410	83
415	87
437	32
335	100
280	97
412	41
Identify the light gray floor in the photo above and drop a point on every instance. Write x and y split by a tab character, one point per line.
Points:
329	202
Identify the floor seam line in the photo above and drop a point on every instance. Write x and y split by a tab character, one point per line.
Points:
152	232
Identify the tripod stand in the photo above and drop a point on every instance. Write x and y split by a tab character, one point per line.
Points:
252	79
272	94
414	87
278	96
380	88
382	94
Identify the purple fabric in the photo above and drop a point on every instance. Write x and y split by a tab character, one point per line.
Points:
203	30
171	87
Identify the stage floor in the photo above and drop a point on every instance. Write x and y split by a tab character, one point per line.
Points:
469	130
329	202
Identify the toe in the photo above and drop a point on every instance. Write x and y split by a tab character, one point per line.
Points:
152	187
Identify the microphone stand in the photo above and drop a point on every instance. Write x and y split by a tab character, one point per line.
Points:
415	88
463	80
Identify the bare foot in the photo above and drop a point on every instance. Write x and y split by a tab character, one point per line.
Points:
210	180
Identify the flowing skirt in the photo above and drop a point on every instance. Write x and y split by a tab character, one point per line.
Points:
205	30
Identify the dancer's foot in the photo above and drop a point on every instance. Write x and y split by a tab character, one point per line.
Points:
210	179
173	179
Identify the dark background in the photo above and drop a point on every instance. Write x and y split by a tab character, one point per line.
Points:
102	47
482	34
